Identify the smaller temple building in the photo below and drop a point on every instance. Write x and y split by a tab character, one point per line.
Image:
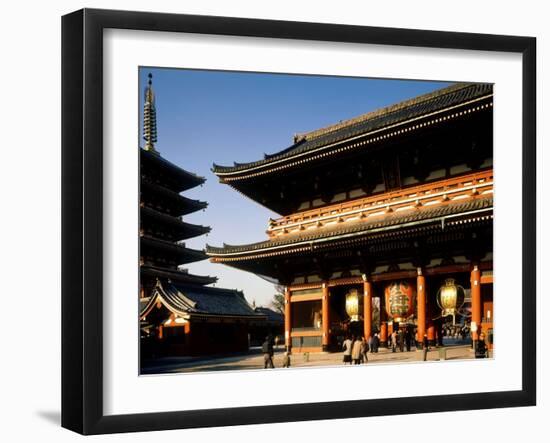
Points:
272	324
179	313
197	320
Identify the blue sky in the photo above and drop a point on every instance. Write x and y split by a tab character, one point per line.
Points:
206	117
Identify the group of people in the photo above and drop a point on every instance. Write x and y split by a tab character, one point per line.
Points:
268	352
355	350
456	331
401	340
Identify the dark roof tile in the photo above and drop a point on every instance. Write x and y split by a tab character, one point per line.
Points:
393	219
200	300
416	107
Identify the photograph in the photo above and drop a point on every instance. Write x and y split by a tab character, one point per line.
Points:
291	221
265	221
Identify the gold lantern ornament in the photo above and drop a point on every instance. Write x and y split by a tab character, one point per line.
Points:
450	298
353	304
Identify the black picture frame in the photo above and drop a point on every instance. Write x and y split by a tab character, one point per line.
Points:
82	190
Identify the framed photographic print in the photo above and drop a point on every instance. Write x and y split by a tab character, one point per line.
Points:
269	221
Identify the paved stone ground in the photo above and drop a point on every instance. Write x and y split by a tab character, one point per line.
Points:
255	360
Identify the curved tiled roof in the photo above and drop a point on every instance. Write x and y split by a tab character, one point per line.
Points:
179	275
395	219
191	229
199	300
271	315
186	255
417	107
184	204
186	178
216	300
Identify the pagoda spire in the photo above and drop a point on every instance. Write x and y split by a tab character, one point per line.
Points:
150	118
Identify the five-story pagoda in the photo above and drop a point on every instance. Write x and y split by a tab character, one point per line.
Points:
162	231
179	313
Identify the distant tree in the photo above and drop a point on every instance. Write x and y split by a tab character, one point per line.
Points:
278	302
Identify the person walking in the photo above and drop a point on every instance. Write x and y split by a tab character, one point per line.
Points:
481	350
365	349
425	348
347	345
393	341
401	340
408	339
356	350
375	343
370	343
286	360
267	350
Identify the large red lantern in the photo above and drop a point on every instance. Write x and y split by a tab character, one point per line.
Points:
400	301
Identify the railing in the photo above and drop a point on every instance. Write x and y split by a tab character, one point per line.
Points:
434	193
307	329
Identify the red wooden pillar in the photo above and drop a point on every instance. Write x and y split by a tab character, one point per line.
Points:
288	320
383	323
420	306
326	318
475	293
367	309
383	334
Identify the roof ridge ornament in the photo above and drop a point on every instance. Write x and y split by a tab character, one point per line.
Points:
384	110
150	118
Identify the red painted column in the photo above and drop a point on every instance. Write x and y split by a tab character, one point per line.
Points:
475	293
367	309
326	317
288	322
383	323
383	333
420	306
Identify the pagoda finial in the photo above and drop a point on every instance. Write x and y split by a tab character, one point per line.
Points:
150	117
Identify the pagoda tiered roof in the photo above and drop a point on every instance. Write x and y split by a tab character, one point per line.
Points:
180	229
408	112
177	275
173	177
178	204
178	251
161	207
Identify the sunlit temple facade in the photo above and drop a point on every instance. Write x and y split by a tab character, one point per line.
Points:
386	221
